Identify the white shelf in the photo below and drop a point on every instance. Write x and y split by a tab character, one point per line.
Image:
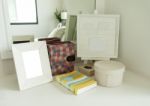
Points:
135	91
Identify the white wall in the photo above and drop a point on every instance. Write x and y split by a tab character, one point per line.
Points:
47	22
3	43
100	6
1	71
134	34
6	67
75	6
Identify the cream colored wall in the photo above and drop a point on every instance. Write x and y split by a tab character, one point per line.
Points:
86	6
75	6
6	67
134	33
100	6
1	71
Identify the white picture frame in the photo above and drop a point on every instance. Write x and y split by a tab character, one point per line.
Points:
97	36
32	64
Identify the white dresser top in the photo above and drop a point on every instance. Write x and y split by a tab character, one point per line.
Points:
135	91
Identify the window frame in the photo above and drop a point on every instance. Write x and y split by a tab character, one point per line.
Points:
28	23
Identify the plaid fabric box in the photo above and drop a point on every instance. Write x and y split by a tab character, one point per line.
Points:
62	57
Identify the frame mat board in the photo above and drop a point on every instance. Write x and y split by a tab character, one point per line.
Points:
32	64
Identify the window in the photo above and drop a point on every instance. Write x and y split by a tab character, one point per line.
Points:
23	12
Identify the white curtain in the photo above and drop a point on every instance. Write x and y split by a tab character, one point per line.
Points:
4	30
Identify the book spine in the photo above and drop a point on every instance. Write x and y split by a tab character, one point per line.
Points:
84	86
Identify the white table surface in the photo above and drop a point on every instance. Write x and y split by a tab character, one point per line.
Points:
135	91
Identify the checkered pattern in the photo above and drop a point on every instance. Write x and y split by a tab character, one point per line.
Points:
58	54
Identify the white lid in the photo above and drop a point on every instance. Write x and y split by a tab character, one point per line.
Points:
109	65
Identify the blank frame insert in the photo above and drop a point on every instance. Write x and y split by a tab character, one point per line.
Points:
29	59
97	44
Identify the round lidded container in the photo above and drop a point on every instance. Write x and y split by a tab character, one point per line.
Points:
109	73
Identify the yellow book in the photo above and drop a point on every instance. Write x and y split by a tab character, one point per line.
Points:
85	86
76	82
59	77
73	86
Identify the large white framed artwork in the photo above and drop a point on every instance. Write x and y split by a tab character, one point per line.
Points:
32	64
97	36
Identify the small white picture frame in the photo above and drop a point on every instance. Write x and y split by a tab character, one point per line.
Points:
32	64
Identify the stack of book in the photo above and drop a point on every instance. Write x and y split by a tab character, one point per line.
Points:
76	82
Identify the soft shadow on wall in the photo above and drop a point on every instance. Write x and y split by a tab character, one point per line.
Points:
77	6
6	67
134	33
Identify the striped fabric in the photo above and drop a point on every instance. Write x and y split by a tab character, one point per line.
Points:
75	81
